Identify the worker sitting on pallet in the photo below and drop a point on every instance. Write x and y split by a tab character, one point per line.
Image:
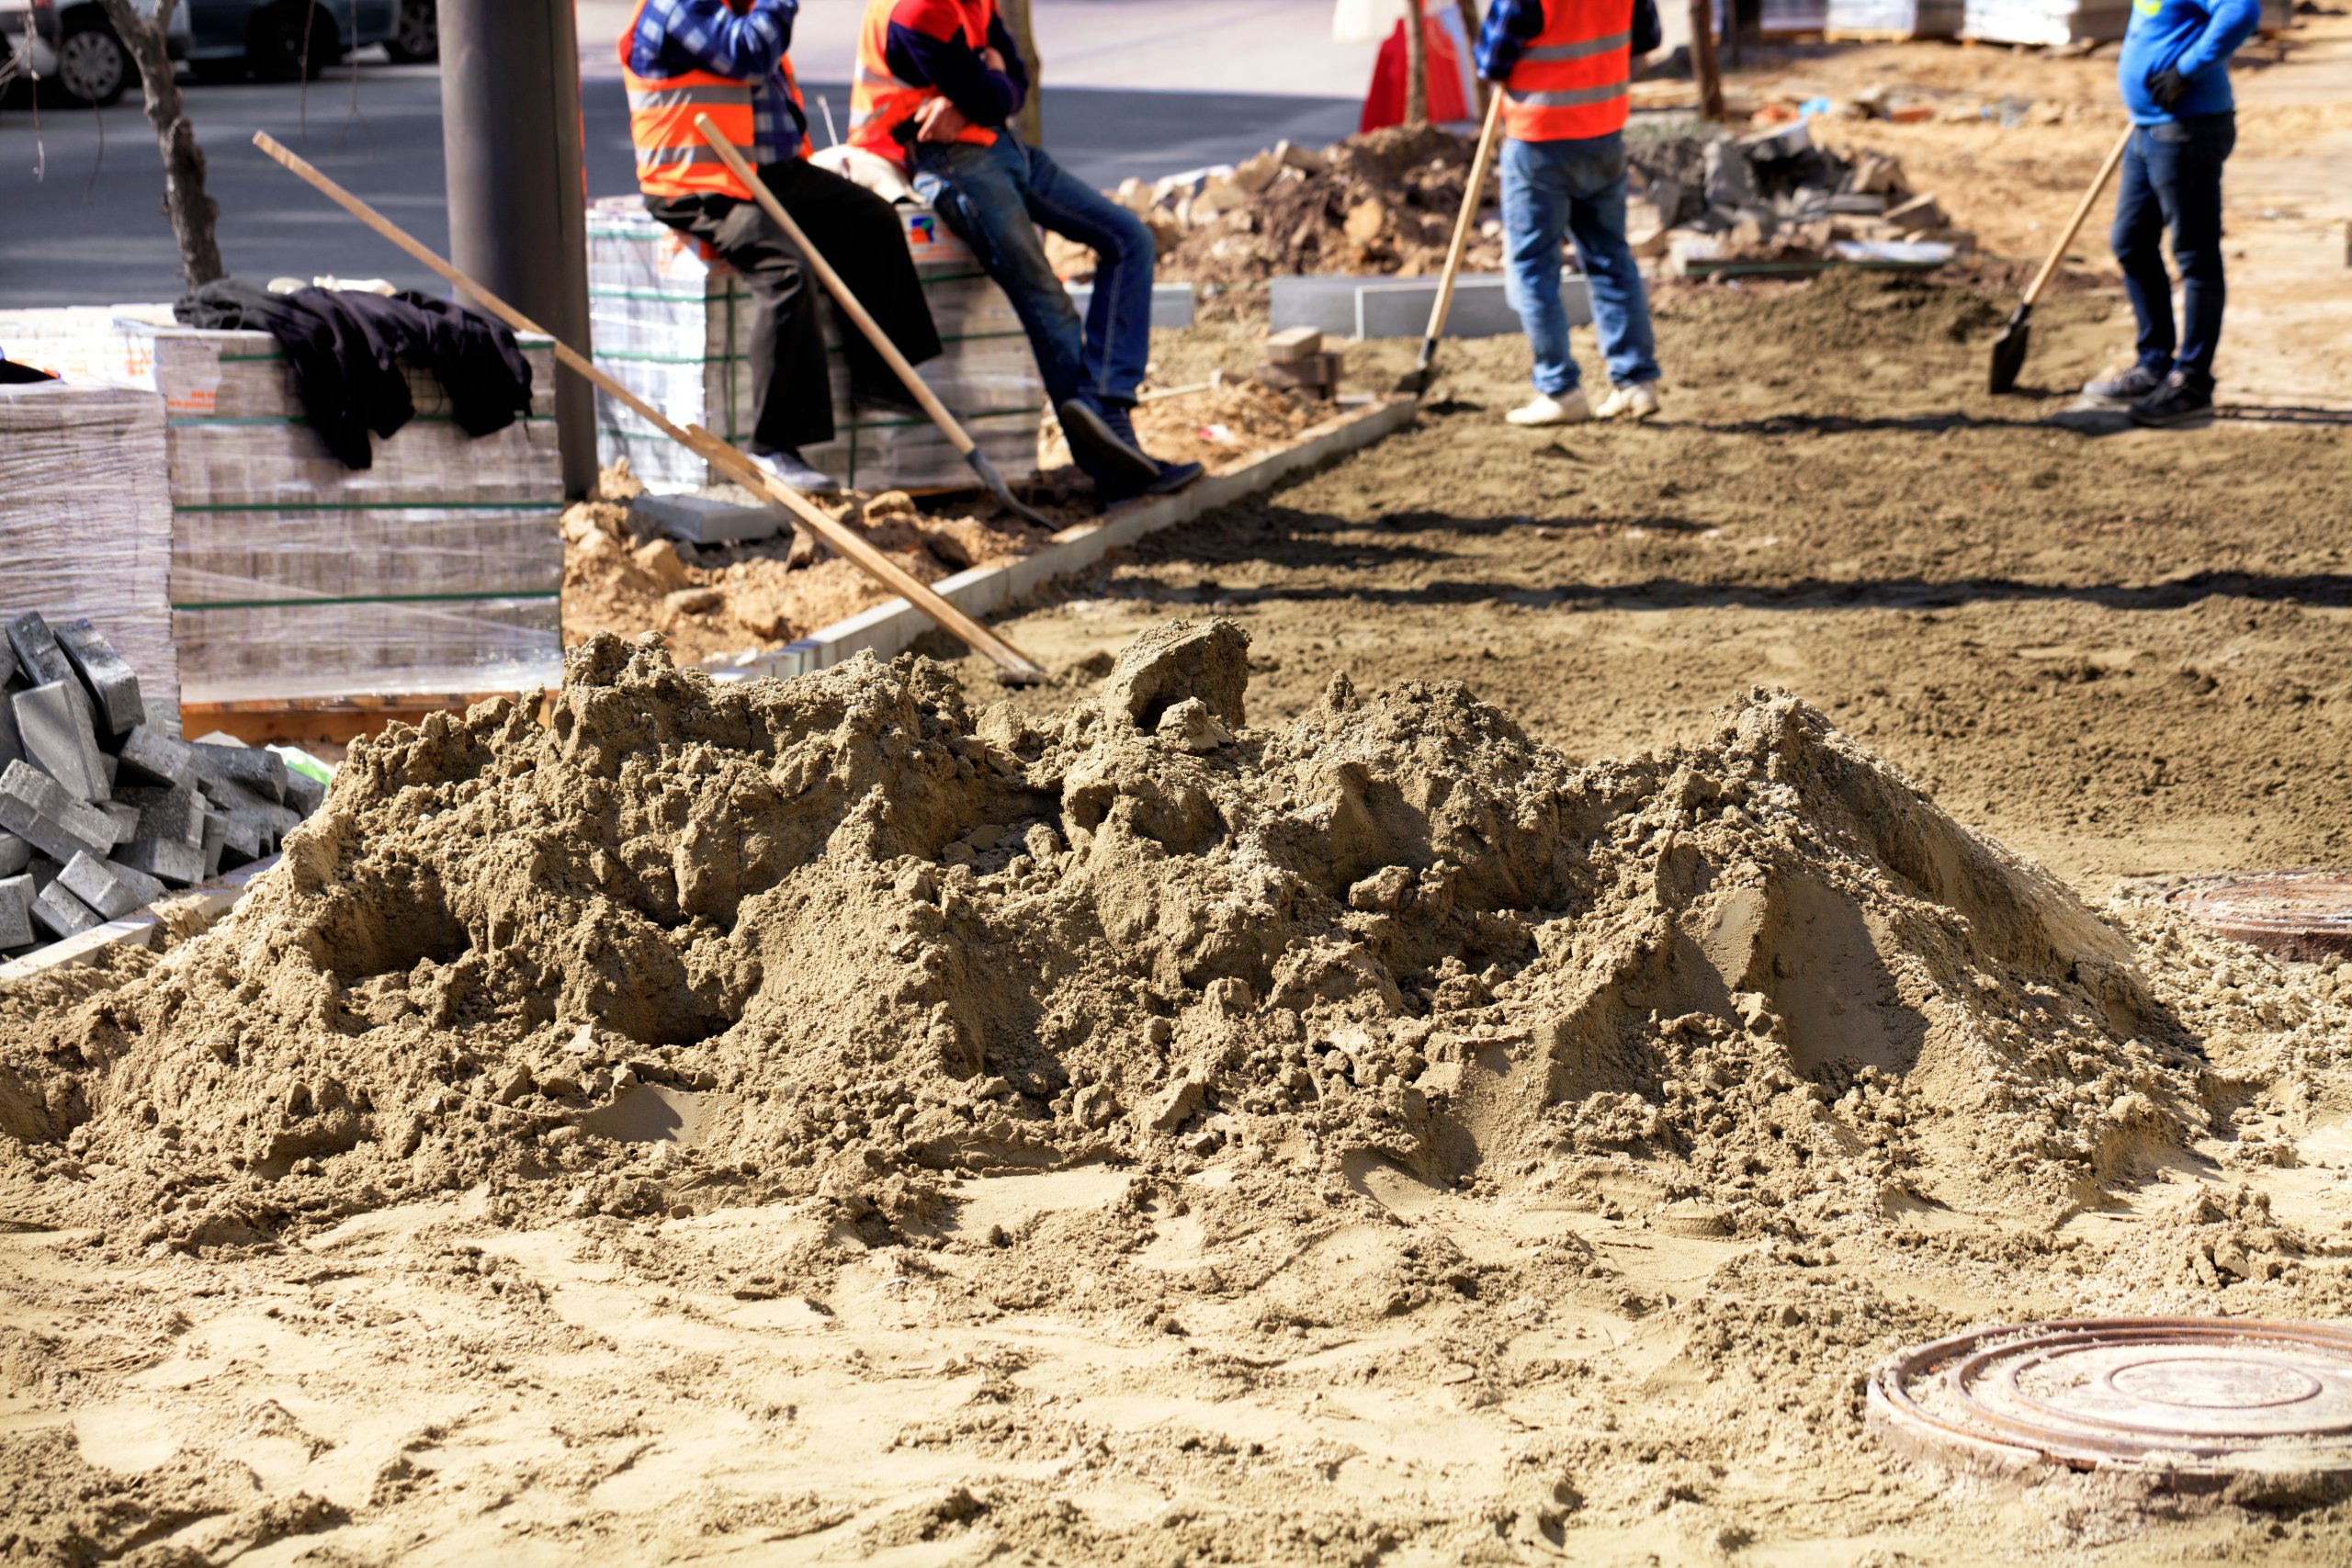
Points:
937	83
727	59
1564	67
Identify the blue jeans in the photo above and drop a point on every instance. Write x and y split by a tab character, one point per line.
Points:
2172	177
1555	188
993	197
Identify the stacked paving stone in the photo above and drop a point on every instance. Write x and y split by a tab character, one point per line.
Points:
101	813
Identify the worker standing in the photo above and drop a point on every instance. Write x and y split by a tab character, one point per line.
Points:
1564	68
729	59
938	83
2175	75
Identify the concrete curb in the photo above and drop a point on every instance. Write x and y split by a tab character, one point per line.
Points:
211	900
888	629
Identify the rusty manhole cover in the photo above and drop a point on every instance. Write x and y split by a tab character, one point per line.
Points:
2304	915
2187	1401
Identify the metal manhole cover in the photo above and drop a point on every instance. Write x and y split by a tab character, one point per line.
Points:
2188	1399
2304	915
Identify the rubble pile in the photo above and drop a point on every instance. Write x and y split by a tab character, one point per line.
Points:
102	813
1384	202
1777	195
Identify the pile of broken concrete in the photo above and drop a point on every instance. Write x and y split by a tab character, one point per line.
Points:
1706	201
101	813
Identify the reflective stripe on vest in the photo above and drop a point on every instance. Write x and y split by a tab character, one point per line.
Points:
880	105
1571	81
672	159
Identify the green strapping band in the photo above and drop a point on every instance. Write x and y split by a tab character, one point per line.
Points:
376	599
297	419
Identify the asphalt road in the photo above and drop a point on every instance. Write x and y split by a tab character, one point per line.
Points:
79	201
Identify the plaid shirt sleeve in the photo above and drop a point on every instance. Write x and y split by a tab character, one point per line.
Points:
711	35
1508	27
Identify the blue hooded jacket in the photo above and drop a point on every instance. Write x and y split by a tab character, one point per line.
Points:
2195	38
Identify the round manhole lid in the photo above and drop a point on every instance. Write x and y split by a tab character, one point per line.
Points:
2304	915
2186	1397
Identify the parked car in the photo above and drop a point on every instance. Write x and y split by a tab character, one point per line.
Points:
71	43
417	34
277	40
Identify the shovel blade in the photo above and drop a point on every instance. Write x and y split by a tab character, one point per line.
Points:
2008	350
1003	492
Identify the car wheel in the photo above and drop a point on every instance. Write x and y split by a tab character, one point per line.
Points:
276	50
93	66
416	32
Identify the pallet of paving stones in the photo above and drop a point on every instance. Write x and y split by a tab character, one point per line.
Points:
440	568
102	813
85	518
673	327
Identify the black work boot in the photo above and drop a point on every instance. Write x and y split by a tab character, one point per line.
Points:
1171	476
1117	464
2128	388
2182	399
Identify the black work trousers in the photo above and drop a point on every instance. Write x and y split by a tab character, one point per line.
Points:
862	236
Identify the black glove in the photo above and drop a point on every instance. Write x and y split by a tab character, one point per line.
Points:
2167	87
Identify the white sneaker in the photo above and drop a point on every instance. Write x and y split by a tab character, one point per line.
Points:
1574	409
789	467
1634	399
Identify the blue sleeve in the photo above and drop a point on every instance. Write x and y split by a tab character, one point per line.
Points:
921	58
1510	25
2232	22
747	46
1016	69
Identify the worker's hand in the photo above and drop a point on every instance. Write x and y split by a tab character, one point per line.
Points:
940	122
2167	87
995	57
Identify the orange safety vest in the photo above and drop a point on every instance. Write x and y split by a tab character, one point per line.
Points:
671	157
880	102
1571	81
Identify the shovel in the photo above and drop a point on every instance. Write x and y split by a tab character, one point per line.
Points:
1417	382
915	385
1018	667
2008	349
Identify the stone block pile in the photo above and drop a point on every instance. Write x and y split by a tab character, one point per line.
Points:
103	813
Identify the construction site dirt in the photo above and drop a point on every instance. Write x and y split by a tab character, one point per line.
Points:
1500	981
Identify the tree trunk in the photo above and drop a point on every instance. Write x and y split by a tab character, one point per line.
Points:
1469	9
1417	67
1703	59
193	214
1030	124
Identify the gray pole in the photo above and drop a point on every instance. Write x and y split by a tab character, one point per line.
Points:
518	219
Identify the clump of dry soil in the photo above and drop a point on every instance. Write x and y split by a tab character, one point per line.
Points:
862	936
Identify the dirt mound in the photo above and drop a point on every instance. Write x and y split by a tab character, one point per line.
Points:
691	940
717	599
1384	202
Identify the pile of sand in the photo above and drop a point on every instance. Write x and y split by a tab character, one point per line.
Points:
713	600
845	935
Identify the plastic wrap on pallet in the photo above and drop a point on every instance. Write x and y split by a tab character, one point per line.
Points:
1792	15
1897	19
437	570
86	521
2045	22
674	328
85	518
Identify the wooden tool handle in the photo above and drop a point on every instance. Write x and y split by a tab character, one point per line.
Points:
835	284
735	465
1471	194
2075	224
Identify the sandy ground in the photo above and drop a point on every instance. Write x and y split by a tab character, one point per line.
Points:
2124	655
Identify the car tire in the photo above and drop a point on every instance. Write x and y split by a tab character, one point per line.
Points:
92	65
274	46
416	33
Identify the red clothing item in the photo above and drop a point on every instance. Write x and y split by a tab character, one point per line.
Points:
1384	105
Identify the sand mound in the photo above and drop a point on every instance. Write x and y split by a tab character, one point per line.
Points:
694	942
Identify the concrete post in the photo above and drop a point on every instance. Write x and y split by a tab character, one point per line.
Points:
518	219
